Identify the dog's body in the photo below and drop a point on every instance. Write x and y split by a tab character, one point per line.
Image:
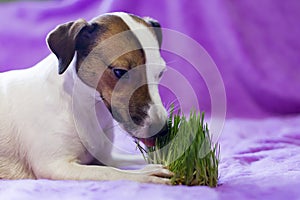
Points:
48	120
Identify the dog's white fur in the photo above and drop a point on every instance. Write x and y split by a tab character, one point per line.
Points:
39	126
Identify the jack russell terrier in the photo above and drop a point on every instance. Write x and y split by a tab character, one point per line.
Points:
47	125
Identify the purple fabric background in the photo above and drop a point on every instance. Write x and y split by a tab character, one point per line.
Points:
256	47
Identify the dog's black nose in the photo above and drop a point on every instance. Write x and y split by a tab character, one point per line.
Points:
163	131
155	132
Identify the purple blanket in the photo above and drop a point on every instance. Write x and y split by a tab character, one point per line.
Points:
260	160
256	48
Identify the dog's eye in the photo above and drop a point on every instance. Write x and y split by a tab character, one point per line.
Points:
121	73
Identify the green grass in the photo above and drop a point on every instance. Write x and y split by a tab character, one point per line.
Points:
187	150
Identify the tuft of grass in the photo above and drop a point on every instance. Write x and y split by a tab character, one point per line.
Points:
187	150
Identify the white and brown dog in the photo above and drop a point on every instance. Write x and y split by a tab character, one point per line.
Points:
47	119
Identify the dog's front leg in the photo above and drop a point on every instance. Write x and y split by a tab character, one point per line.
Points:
125	160
112	156
74	171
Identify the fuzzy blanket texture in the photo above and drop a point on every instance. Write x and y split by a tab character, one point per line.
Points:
256	47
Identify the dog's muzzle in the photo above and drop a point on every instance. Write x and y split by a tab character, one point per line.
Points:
149	142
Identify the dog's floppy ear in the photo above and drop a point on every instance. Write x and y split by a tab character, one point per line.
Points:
62	42
157	28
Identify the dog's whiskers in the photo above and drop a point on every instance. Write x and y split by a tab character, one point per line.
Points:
109	128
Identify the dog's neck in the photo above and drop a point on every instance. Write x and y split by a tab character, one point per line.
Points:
92	119
74	86
84	98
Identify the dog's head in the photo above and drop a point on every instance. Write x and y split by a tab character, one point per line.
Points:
118	54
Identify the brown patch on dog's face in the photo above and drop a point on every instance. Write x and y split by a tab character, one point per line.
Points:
103	60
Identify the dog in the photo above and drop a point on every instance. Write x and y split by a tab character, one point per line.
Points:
108	70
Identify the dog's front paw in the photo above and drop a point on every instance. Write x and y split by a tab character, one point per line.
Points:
157	170
158	174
